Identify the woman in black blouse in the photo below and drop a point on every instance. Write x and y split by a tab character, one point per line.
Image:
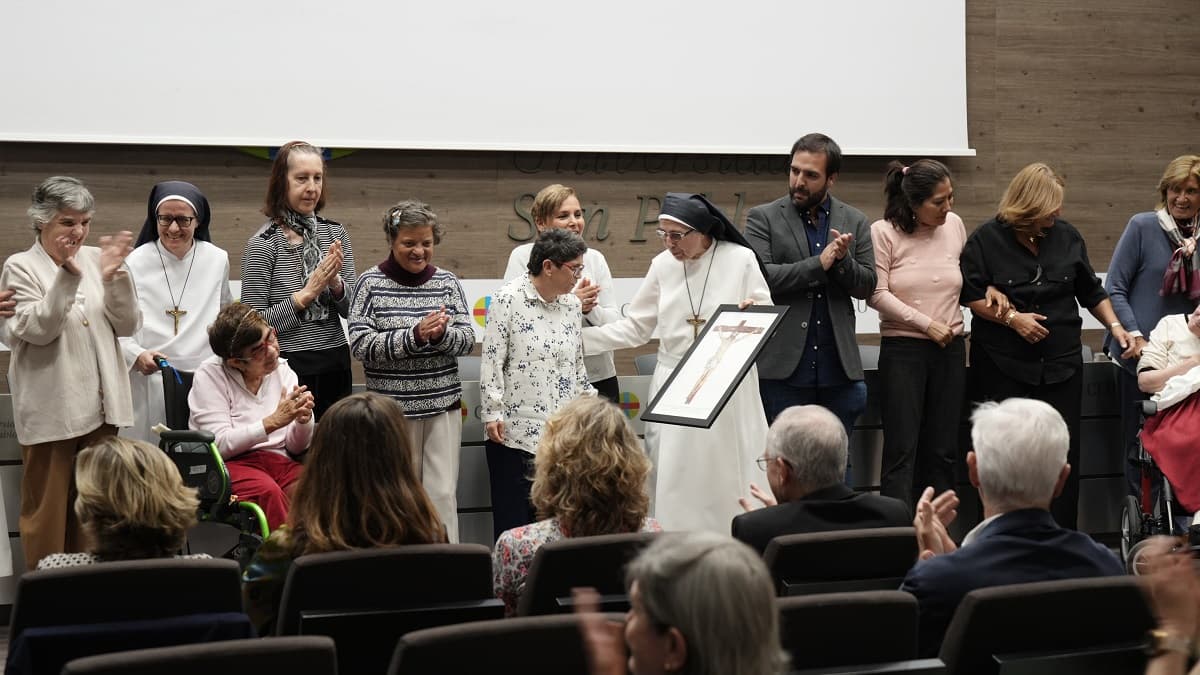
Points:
1026	339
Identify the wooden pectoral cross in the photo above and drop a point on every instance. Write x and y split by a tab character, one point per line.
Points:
175	314
696	322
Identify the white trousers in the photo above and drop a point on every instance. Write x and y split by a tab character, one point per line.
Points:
437	446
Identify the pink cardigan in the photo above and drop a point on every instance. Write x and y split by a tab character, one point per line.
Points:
918	277
220	403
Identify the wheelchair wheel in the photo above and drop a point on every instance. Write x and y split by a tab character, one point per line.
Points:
1132	528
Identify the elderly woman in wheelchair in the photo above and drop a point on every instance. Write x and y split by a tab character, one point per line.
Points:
1167	370
249	399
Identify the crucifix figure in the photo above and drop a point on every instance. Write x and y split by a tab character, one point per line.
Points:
175	314
696	322
730	335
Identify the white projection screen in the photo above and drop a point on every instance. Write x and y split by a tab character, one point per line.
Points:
701	76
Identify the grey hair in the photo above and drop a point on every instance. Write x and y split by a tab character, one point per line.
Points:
1020	449
411	213
557	245
58	193
813	441
718	593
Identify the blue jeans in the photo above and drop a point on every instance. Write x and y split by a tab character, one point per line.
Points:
847	401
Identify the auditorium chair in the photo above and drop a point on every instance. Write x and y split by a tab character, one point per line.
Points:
838	629
532	645
598	562
1091	625
366	599
292	655
60	614
842	560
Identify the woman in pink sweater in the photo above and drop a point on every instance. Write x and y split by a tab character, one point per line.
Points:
922	368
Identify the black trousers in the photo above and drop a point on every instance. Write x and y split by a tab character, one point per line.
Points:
609	389
327	388
921	389
510	473
990	383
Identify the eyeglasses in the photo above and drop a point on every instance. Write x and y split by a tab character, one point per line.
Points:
673	236
576	270
763	462
184	221
259	349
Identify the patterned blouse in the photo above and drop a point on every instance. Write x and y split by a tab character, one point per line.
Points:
514	554
532	360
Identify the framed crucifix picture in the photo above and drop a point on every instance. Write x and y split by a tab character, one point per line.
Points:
712	369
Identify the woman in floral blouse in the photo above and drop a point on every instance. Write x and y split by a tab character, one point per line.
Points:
590	479
532	364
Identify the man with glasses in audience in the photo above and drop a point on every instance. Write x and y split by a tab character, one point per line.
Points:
805	460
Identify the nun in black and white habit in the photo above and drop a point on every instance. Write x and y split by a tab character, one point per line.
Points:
182	281
699	473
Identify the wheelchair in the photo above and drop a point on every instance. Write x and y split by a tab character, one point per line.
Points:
200	464
1156	512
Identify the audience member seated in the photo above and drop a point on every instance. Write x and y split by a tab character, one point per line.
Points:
805	461
131	504
1019	465
249	399
1173	589
701	603
360	490
589	478
1167	369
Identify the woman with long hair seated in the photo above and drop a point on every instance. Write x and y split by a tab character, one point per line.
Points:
589	478
359	490
131	503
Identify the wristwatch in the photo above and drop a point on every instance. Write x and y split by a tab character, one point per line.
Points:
1162	641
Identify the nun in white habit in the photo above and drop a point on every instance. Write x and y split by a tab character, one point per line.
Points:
182	281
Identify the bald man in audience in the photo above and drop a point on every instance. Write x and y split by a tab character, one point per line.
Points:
1019	465
805	460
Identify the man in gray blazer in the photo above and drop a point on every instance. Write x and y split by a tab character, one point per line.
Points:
817	253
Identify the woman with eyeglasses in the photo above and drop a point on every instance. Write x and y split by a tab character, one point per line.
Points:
182	281
558	206
298	271
1028	342
699	473
253	404
532	364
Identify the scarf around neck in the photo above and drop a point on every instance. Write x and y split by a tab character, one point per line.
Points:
1183	270
310	257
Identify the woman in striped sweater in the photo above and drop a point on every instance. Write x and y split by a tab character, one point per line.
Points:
408	324
298	272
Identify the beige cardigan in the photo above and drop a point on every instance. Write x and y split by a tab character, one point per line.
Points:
67	373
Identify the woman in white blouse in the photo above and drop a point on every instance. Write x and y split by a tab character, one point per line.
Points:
532	365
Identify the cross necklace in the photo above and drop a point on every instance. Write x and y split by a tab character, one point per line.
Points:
696	321
175	313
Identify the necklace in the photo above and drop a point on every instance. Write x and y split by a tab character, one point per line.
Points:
696	321
175	312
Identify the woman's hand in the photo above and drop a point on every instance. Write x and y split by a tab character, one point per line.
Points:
1134	350
113	250
1027	326
495	431
294	406
433	326
939	333
147	362
746	303
8	306
587	291
994	298
603	640
332	264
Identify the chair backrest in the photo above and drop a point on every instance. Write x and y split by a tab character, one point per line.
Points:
840	629
1047	616
125	591
313	655
597	561
384	579
531	645
842	560
176	385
